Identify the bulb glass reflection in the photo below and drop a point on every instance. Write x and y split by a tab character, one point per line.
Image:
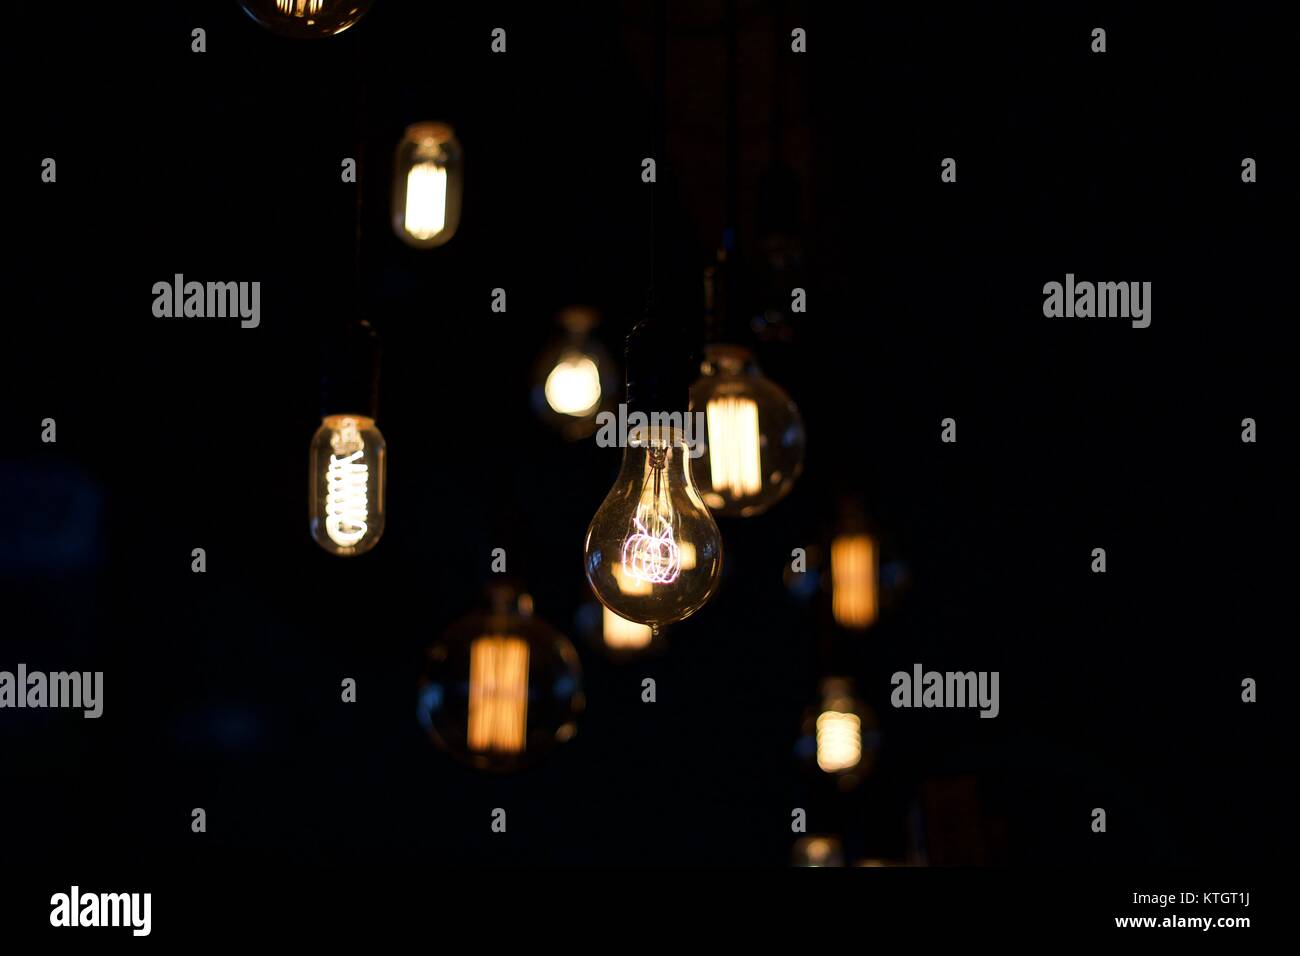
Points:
306	19
754	447
653	553
427	185
347	472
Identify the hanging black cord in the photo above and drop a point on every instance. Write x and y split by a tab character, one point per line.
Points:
657	119
359	72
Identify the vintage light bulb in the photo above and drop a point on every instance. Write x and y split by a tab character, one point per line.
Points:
653	553
427	185
501	689
574	376
855	580
306	19
347	484
840	735
754	441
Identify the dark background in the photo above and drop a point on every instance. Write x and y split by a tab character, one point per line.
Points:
222	690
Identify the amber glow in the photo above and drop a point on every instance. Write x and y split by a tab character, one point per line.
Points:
498	694
734	461
299	8
624	635
426	200
853	581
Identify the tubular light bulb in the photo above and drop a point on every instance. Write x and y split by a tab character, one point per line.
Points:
653	553
840	735
501	689
306	19
427	185
347	484
754	447
573	377
854	579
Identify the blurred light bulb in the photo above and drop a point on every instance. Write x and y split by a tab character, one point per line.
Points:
573	386
840	735
498	694
347	484
854	579
624	635
817	851
839	740
427	185
306	19
501	689
650	524
754	447
574	376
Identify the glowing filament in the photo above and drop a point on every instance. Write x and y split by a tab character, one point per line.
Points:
573	387
734	462
622	634
839	741
299	8
498	695
853	581
346	482
650	554
426	200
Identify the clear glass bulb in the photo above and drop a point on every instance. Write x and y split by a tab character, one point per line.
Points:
306	19
347	484
501	689
427	185
653	553
754	437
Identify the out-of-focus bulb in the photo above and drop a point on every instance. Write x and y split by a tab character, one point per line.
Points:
573	385
817	851
573	378
427	185
306	19
347	484
501	689
754	446
624	635
854	580
498	695
840	736
653	553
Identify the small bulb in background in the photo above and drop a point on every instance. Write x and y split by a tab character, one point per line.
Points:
306	19
840	735
855	578
574	378
754	444
817	851
501	689
348	475
427	185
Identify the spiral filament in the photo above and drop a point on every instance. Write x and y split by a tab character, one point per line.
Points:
839	741
346	503
299	8
650	552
